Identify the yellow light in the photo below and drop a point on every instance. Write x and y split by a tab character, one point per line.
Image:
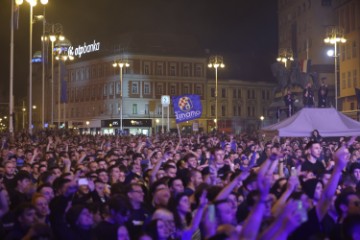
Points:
127	65
114	64
24	109
57	58
209	65
61	38
34	106
44	2
222	65
19	2
32	2
52	38
87	122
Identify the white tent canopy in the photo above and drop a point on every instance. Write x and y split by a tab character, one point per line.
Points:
328	121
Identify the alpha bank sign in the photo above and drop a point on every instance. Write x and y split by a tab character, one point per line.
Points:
83	49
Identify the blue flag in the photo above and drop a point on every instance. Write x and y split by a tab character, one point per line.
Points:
187	107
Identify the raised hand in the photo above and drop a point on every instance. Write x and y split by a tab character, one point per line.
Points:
342	155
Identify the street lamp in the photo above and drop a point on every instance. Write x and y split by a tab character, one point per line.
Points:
285	55
54	33
62	56
215	62
23	115
32	4
262	121
120	64
335	35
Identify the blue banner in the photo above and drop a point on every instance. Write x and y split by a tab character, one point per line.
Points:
187	107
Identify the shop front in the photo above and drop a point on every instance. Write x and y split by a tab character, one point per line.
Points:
130	126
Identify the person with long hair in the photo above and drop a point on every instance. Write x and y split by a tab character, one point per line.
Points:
181	208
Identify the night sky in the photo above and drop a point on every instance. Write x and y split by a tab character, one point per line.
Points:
244	32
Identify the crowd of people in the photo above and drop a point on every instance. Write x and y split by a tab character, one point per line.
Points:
60	185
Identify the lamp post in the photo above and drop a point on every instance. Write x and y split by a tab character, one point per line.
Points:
23	115
32	4
62	56
215	62
43	72
285	55
262	121
121	64
54	32
335	35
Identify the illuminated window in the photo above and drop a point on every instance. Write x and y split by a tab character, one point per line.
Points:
147	88
134	88
111	89
118	88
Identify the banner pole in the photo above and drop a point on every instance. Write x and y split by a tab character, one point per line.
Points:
178	128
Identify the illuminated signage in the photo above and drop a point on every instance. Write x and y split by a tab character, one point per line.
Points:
83	49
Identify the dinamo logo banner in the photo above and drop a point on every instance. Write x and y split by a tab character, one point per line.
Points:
187	107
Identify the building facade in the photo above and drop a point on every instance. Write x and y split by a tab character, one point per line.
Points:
173	66
93	90
348	17
303	27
